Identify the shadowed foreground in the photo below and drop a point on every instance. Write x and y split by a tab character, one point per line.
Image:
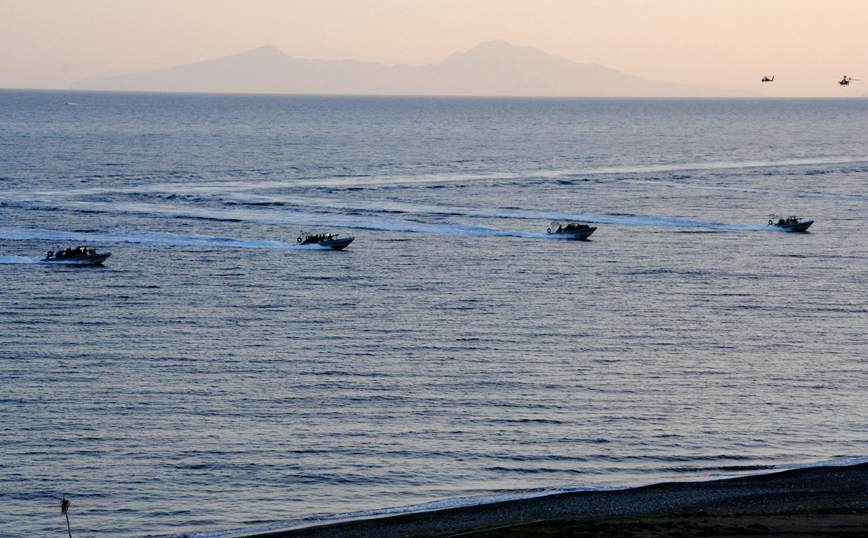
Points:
823	524
821	501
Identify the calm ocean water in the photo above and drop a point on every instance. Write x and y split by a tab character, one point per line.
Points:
215	375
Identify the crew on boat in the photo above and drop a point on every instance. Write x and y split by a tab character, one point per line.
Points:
784	222
571	227
307	239
71	253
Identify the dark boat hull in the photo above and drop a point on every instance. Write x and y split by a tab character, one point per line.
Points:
795	227
582	233
89	259
337	244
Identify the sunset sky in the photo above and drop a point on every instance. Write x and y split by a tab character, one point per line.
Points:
730	44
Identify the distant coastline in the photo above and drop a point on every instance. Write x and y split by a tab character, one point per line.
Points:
493	69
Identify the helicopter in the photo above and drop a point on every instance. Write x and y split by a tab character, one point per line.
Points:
768	79
846	80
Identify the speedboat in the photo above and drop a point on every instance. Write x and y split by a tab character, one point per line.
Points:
76	256
327	240
571	230
791	224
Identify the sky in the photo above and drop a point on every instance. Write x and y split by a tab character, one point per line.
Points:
808	45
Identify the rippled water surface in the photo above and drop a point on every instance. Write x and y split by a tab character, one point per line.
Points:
216	375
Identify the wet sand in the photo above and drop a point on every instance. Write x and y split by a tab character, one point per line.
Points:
818	501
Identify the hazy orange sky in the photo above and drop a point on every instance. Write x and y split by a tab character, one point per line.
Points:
729	44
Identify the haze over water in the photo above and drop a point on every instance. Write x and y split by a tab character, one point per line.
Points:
216	375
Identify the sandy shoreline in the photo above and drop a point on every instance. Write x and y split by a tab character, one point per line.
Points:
819	498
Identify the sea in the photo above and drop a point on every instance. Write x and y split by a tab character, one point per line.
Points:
215	376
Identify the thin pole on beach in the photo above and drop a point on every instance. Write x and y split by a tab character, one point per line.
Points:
64	509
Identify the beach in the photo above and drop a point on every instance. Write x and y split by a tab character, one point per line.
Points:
815	501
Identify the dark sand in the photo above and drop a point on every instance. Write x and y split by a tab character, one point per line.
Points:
818	501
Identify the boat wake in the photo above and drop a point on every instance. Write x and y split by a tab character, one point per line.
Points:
145	238
18	259
362	215
798	194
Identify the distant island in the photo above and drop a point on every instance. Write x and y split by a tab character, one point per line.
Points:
492	69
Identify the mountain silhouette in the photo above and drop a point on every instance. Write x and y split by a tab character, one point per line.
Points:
495	68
